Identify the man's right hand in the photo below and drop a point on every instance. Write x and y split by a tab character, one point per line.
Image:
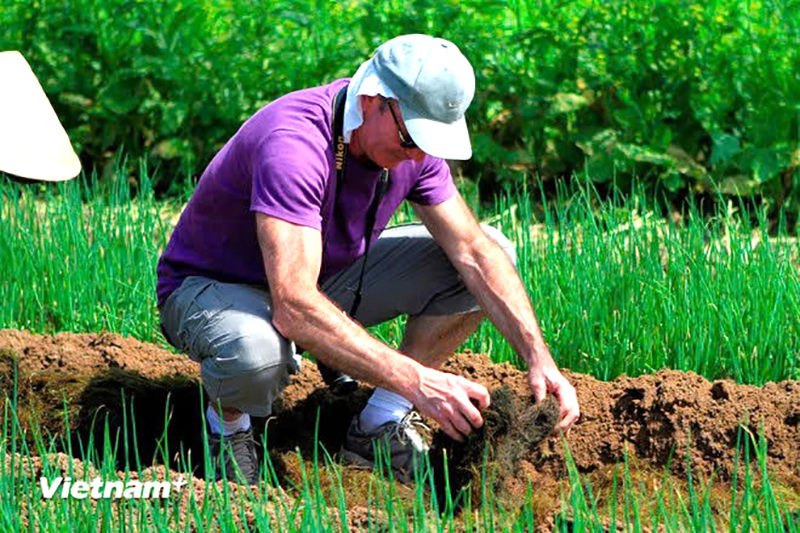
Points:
447	398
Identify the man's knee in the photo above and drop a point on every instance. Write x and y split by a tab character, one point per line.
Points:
497	236
249	372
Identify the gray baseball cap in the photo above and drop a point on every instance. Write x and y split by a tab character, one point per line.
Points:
434	84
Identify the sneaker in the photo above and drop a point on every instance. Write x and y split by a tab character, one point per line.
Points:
240	456
405	444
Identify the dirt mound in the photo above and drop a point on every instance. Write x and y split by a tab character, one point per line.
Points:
80	379
653	415
90	354
658	419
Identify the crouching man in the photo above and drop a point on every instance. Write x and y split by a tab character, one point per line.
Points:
286	231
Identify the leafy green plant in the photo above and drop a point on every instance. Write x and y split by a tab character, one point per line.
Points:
688	96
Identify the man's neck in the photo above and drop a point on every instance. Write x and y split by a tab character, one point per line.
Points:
354	149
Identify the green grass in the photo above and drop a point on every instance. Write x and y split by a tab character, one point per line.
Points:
80	258
755	504
616	288
620	290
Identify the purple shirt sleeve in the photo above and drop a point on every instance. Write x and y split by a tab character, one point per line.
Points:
435	184
289	178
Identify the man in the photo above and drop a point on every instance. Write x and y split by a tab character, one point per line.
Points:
33	144
272	250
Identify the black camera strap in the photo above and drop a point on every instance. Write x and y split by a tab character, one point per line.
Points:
340	160
339	382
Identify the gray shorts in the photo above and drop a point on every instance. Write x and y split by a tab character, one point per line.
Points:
246	363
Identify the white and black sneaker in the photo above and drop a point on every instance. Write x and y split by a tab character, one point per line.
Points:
402	440
239	462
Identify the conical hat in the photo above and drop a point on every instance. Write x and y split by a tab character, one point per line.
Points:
33	144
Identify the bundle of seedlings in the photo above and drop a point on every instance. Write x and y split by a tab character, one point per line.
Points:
513	427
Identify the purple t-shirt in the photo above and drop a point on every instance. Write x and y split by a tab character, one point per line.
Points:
280	163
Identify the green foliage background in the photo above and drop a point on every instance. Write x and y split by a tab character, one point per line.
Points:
688	96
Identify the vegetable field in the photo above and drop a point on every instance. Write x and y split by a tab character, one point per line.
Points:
618	290
642	155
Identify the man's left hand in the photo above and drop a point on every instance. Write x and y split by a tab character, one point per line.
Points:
544	378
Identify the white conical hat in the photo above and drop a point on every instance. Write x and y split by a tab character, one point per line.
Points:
33	144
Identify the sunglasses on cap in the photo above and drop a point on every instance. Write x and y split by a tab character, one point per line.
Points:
405	142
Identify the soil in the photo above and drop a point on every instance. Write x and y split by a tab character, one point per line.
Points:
668	419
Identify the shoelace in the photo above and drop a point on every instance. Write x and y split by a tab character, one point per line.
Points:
242	447
411	422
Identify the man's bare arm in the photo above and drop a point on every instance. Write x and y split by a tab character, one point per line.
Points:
292	257
491	277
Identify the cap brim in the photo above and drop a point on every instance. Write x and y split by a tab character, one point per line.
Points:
439	139
33	144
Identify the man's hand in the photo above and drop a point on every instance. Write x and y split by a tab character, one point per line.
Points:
545	378
447	399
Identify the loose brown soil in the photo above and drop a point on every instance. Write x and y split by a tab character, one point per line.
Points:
671	418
